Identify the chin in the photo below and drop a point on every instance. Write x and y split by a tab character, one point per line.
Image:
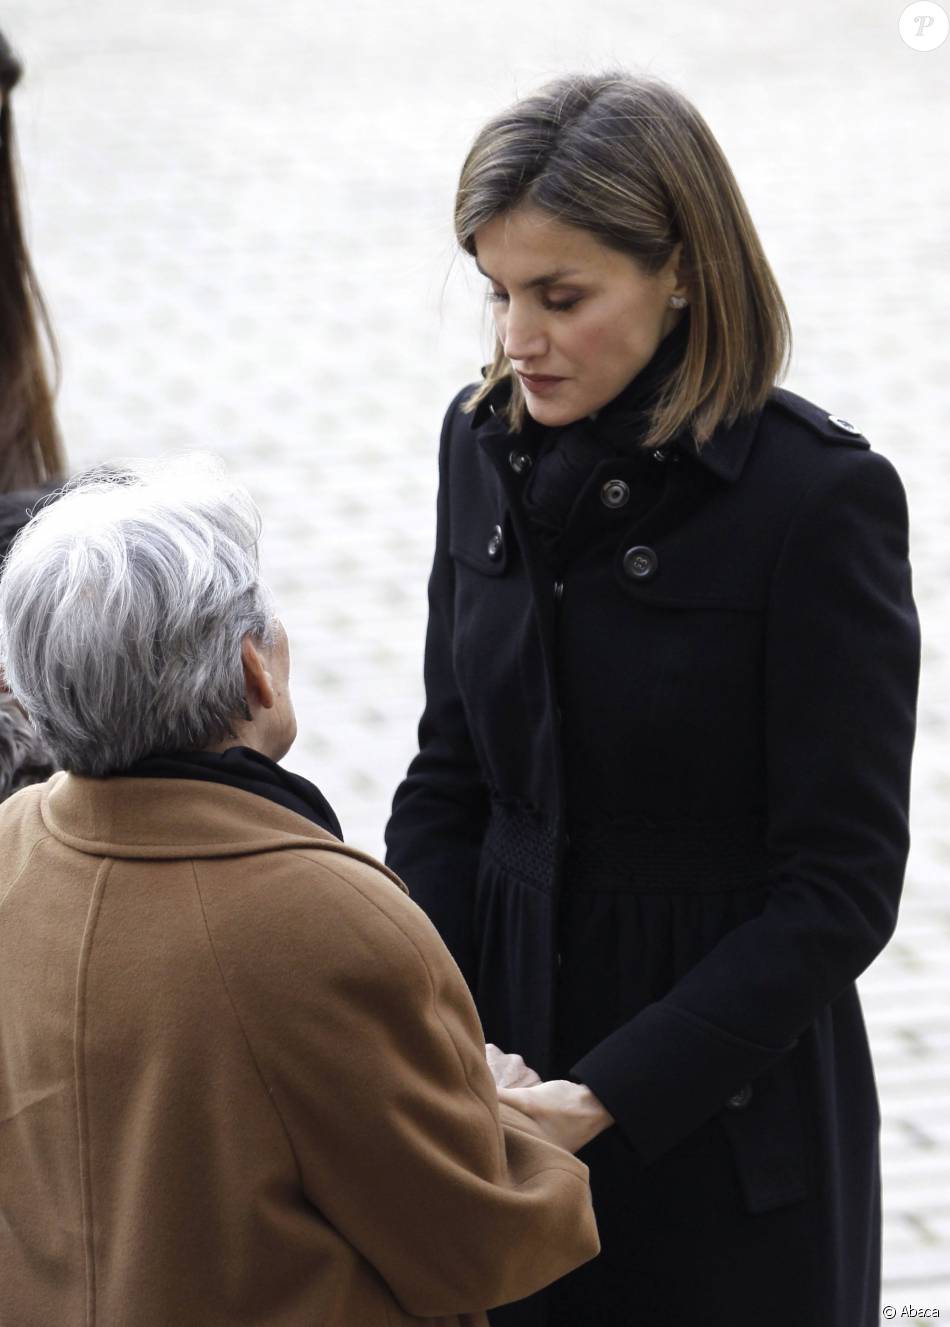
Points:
552	415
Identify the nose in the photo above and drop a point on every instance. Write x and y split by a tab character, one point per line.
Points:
522	332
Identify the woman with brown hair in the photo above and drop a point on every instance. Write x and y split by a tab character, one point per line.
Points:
32	463
30	448
659	809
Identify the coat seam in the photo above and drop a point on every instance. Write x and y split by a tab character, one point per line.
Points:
548	1170
82	1099
244	1033
19	875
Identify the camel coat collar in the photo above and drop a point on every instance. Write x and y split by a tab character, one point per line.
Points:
124	818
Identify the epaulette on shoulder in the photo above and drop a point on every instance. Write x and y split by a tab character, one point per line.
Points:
832	428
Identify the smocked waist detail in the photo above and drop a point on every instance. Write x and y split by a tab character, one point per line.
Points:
636	855
645	856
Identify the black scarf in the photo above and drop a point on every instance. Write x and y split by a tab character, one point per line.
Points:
566	456
242	767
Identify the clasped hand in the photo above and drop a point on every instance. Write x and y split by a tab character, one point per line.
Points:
568	1113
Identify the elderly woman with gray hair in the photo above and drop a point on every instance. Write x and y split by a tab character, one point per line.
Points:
241	1079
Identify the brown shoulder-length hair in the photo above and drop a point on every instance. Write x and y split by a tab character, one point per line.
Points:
630	160
30	448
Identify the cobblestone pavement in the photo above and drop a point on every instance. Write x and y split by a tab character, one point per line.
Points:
241	217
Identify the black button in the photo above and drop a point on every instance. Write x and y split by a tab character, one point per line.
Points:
519	462
640	563
660	455
615	493
496	544
739	1100
558	586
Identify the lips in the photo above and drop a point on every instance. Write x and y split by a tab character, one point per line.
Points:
539	382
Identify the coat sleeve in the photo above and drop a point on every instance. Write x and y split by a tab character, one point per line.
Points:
371	1051
841	669
440	810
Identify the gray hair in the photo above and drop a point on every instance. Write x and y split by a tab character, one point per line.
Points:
123	606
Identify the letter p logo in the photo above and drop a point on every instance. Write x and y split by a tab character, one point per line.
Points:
924	25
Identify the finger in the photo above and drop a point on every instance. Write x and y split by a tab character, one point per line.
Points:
512	1096
496	1063
518	1074
506	1069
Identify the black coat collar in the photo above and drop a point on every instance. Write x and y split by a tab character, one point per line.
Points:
724	455
727	451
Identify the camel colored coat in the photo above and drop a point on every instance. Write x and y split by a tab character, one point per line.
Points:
242	1081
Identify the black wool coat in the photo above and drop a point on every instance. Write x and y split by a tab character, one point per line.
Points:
659	816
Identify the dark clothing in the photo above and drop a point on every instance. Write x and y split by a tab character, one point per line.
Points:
24	758
565	457
659	815
243	767
17	508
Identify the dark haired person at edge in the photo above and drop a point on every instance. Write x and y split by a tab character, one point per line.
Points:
31	455
659	811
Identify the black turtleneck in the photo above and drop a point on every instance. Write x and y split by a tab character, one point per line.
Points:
566	456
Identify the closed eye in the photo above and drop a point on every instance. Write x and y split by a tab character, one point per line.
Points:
552	306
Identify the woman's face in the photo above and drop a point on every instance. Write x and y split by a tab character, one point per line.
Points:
577	320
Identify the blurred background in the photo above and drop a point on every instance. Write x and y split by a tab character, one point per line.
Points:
241	217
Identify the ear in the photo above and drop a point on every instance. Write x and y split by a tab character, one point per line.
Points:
677	267
258	685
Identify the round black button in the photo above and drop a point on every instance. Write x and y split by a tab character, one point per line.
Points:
640	563
739	1100
559	590
615	493
496	544
519	462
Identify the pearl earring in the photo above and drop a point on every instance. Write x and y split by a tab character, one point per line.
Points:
678	302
